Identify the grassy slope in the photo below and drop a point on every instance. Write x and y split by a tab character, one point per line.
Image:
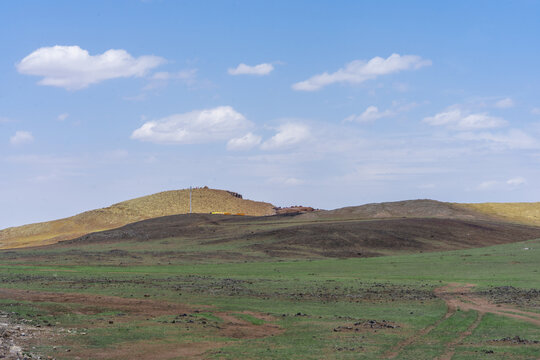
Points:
524	213
203	238
328	293
160	204
208	200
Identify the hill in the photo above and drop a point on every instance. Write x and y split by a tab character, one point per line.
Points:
204	200
402	209
523	213
208	200
181	239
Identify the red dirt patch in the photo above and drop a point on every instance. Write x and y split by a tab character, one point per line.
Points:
133	306
241	329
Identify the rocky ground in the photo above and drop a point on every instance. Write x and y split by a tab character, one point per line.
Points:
510	295
18	337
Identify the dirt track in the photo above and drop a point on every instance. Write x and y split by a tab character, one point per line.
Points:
459	296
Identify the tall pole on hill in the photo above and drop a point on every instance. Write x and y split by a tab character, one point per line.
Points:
190	199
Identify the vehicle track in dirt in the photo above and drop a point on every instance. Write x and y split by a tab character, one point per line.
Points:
451	347
396	350
459	296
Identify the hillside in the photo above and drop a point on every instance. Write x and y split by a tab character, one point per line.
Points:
174	202
208	200
523	213
181	239
401	209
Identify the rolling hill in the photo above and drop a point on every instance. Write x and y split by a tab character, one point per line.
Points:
196	238
494	218
423	208
519	212
204	200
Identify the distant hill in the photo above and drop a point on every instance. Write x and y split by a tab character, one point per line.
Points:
527	213
402	209
205	238
204	200
207	200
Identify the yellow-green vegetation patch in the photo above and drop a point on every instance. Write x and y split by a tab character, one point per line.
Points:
525	213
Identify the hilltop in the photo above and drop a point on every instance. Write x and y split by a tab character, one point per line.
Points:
204	200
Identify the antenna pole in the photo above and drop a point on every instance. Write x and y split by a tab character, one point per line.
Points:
190	189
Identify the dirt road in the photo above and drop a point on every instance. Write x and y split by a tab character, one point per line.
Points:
459	296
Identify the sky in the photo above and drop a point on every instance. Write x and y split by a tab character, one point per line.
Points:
318	103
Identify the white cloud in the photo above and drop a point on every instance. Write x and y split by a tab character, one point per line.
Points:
162	78
359	71
74	68
288	134
288	181
514	139
243	69
535	111
458	119
517	181
5	120
510	184
372	113
186	75
488	185
21	137
63	116
199	126
505	103
245	142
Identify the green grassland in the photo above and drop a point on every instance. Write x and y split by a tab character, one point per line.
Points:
309	300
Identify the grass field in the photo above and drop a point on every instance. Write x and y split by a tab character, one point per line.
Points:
362	308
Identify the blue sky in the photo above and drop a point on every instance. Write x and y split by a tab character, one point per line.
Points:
321	103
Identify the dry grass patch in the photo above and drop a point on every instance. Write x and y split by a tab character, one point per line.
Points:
523	213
